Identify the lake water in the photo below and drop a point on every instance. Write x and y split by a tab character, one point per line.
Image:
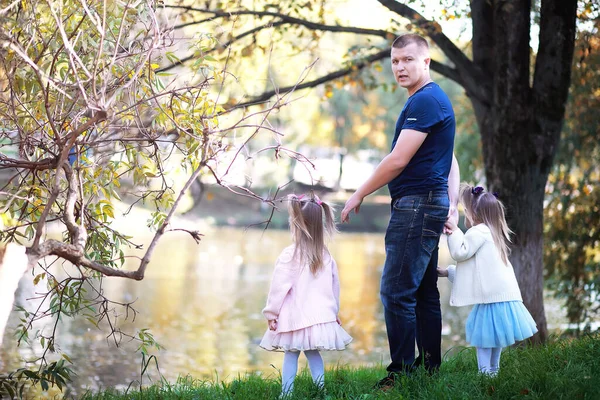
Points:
203	304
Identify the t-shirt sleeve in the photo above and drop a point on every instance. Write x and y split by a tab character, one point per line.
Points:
423	113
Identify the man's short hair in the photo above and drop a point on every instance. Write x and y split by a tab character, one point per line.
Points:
408	38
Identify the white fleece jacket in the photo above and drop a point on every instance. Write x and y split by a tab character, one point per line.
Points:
480	275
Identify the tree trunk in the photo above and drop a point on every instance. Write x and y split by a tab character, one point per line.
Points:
520	128
520	186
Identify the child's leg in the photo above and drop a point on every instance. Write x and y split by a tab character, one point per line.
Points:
495	360
316	365
484	357
288	372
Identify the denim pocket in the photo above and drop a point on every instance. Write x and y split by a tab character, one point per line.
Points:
408	203
433	224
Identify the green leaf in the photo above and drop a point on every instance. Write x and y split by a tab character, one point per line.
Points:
31	374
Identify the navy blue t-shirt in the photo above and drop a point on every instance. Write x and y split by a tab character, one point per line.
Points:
429	111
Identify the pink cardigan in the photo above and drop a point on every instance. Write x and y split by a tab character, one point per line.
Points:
297	298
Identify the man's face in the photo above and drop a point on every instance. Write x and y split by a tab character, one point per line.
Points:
410	66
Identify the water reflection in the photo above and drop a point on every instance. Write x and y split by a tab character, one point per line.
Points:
203	302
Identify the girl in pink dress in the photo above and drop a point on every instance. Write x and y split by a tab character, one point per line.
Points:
304	298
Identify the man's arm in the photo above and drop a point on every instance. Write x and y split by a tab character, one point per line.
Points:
453	182
390	167
453	185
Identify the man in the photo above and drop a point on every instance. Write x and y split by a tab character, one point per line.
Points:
423	178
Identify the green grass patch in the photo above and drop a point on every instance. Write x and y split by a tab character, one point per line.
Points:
560	369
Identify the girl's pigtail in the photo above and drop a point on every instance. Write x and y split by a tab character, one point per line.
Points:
329	219
466	199
502	232
297	223
310	220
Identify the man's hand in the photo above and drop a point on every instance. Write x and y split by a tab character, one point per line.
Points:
353	203
442	272
273	324
451	220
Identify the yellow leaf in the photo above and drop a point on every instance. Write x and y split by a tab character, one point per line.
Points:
37	278
154	66
5	219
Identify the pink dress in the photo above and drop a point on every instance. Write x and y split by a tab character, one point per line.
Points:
305	306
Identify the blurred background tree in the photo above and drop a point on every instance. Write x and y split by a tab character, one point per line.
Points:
572	214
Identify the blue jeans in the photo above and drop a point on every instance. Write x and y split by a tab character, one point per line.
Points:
409	292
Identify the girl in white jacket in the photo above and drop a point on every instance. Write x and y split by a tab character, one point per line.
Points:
484	277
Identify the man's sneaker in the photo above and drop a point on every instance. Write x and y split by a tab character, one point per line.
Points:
388	382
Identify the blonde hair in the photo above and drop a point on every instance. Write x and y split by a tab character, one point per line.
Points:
310	220
484	207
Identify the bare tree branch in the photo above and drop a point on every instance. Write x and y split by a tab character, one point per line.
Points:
288	19
326	78
224	45
7	8
283	19
70	141
442	69
73	254
46	163
146	259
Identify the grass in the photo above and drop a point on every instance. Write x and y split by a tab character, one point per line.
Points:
561	369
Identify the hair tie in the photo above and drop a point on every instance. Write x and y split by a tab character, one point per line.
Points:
495	194
314	198
476	191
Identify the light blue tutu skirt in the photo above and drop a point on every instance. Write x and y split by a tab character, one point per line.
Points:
499	324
